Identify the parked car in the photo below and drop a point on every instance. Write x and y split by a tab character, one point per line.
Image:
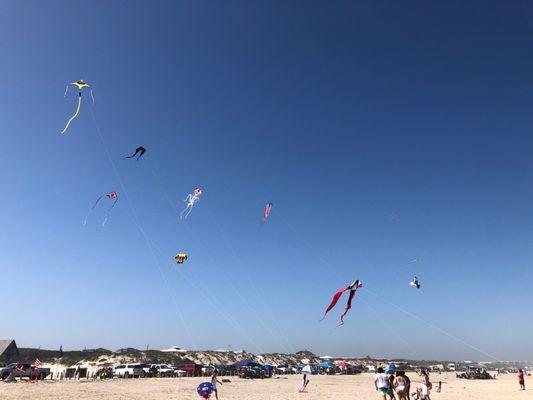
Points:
27	371
163	370
129	371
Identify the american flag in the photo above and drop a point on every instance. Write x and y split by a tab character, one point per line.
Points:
112	195
266	213
37	363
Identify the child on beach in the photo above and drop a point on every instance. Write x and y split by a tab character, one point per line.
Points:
214	382
521	381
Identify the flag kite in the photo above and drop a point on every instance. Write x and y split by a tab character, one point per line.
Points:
141	150
352	288
180	257
266	212
191	199
80	85
111	196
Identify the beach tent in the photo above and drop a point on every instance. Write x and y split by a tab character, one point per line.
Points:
9	352
344	364
246	363
326	364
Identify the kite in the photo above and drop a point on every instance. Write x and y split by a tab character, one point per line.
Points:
205	389
191	199
415	283
180	257
352	288
305	371
111	196
266	212
141	150
80	85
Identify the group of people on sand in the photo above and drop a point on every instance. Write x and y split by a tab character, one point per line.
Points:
397	385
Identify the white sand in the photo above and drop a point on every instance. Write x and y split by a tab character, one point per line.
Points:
321	388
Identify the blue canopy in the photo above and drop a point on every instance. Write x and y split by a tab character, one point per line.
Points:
325	364
267	367
246	363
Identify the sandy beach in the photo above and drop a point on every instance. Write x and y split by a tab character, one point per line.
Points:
285	388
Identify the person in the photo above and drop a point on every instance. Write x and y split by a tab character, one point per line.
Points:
521	381
407	383
381	381
400	386
214	382
426	384
390	392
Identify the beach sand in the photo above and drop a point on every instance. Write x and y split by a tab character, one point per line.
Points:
285	388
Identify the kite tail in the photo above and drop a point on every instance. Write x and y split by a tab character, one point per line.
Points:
74	116
91	210
334	301
66	90
348	307
187	211
92	97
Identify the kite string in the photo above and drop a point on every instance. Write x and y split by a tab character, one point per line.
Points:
252	284
429	324
221	270
214	303
211	258
136	221
389	328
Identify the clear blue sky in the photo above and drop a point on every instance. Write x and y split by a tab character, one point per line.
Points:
340	113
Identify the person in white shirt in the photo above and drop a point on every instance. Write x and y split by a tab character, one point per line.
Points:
381	381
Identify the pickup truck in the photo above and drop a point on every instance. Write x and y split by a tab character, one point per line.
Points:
26	371
162	370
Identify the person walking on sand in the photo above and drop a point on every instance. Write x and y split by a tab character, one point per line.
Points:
381	381
521	381
401	389
214	382
426	384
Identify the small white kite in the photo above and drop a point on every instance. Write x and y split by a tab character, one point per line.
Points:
191	199
415	283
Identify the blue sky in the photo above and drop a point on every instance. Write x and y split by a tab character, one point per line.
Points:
340	113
